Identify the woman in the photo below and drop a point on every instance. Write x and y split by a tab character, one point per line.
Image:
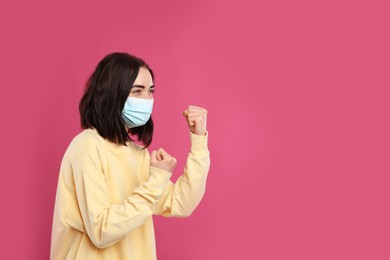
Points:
109	186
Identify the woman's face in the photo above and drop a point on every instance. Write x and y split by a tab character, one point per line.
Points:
143	85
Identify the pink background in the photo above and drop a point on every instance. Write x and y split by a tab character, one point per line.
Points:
298	100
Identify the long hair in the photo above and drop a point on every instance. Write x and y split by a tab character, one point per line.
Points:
105	95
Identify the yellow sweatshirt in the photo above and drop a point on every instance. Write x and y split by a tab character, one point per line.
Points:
107	194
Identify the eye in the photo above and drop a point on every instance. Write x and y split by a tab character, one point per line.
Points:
136	91
152	91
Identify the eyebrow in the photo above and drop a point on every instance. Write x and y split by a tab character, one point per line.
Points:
142	86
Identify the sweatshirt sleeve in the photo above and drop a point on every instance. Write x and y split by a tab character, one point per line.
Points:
106	223
181	198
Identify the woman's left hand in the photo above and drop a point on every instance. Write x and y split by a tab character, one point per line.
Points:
196	118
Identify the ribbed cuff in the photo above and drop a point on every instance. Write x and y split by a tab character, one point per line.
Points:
199	142
158	178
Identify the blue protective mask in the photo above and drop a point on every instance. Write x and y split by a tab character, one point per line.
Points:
137	111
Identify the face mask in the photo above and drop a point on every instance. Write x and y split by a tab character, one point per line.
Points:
137	111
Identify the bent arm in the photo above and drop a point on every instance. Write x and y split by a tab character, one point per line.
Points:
105	224
180	199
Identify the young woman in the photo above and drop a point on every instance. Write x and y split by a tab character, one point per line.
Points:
109	186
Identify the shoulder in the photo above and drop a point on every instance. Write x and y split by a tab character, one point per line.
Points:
84	151
84	142
85	139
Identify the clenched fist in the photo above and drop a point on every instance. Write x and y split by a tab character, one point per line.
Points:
196	118
162	160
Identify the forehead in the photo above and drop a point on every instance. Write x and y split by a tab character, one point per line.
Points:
144	77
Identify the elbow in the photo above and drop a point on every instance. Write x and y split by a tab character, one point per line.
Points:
185	213
104	240
188	211
102	244
98	243
101	234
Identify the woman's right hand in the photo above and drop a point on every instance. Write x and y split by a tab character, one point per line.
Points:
162	160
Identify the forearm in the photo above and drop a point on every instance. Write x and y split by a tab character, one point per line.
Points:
105	223
181	198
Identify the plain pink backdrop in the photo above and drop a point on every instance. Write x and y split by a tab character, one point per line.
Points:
298	99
